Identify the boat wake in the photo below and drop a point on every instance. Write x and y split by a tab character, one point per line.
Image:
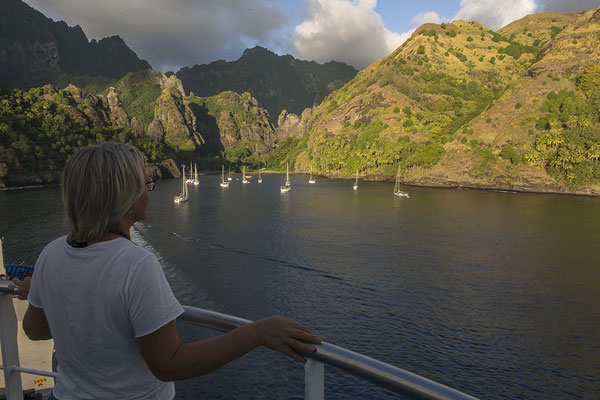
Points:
321	271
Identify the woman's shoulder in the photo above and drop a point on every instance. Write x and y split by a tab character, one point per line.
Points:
55	244
126	247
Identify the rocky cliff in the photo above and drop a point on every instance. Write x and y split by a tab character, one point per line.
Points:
229	121
175	122
34	50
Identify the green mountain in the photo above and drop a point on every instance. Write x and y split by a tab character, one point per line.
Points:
41	127
278	82
460	105
34	51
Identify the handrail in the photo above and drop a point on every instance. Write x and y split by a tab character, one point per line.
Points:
4	289
380	373
377	372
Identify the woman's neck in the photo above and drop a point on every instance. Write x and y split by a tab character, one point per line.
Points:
106	238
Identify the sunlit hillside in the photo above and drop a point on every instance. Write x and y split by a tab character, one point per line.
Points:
460	105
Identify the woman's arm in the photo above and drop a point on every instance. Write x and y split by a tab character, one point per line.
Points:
35	324
169	361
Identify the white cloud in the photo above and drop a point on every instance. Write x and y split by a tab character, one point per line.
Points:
495	14
566	5
344	30
175	33
426	17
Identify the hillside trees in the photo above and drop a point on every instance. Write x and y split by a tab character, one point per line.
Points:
33	130
570	150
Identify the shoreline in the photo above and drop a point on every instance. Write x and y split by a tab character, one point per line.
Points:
374	178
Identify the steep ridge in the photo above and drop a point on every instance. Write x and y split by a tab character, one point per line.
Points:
34	50
41	127
277	82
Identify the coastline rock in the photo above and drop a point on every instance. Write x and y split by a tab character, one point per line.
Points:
171	167
166	170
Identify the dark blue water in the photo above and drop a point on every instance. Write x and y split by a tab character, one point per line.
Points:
495	294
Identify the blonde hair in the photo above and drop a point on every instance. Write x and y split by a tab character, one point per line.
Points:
100	183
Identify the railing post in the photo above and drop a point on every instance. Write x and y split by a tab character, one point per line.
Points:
8	343
314	380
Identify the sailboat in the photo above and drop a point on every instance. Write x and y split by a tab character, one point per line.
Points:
196	181
397	191
311	180
190	179
355	186
224	183
287	185
183	196
244	180
229	175
259	178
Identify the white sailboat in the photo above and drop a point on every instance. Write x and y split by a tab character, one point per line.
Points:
229	175
244	180
224	183
311	180
196	181
397	191
355	186
191	178
183	195
259	177
287	186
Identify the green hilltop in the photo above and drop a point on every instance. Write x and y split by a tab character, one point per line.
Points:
460	105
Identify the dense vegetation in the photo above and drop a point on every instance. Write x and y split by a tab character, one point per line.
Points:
570	148
34	130
139	96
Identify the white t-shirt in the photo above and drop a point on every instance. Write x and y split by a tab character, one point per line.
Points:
97	300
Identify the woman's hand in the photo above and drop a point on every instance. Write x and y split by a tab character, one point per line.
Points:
21	287
286	336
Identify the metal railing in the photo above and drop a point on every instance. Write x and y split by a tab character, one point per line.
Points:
369	369
382	374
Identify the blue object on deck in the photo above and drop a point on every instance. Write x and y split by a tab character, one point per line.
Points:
18	271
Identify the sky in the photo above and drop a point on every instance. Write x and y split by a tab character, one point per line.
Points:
171	34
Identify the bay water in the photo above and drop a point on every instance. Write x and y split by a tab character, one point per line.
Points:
495	294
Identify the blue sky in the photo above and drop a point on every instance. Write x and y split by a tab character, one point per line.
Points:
171	34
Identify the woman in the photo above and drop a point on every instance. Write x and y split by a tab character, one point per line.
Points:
106	302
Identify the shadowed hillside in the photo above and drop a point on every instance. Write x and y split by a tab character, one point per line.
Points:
34	51
277	82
